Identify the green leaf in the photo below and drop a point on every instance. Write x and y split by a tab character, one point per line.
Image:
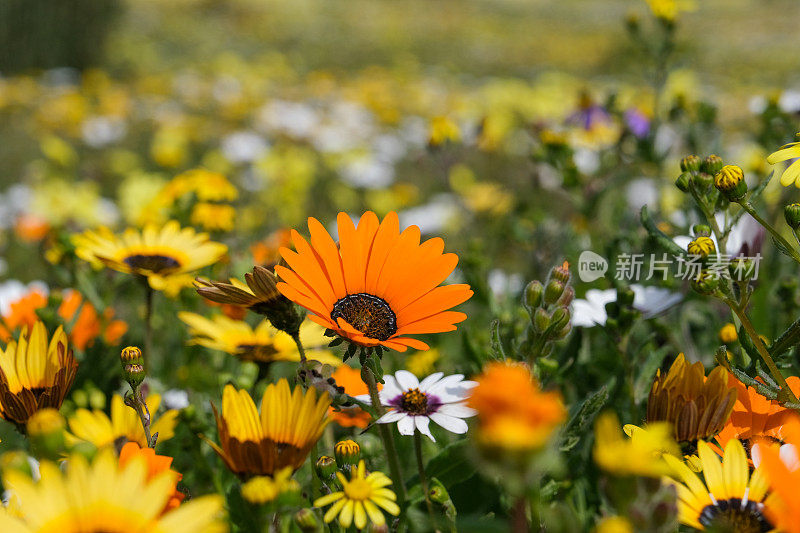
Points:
498	352
452	465
647	370
659	236
786	340
579	424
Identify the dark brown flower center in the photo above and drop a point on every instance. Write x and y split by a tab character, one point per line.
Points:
414	402
151	263
732	515
369	314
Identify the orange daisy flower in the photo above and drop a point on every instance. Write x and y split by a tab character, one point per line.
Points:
754	417
782	472
350	380
377	286
23	312
156	465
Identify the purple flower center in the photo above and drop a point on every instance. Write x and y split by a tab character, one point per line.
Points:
416	403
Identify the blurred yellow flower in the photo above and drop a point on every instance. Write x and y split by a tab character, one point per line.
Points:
788	152
614	524
123	425
213	217
669	10
422	363
639	455
443	130
264	489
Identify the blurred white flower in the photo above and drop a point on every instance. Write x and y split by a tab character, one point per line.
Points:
649	300
12	290
100	131
432	217
502	283
368	172
243	146
175	399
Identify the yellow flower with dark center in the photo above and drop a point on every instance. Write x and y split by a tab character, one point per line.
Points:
788	152
695	405
34	374
264	489
362	497
263	344
102	497
728	334
159	254
123	426
614	524
281	436
702	246
639	455
728	498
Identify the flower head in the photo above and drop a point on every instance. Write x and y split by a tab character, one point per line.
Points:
350	380
702	246
156	465
163	255
513	412
361	497
413	403
105	496
780	466
282	435
34	374
695	405
728	497
788	152
260	344
123	425
264	489
377	286
668	10
639	455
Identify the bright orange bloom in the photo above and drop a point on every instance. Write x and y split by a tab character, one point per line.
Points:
31	228
349	378
84	329
266	252
377	286
156	465
784	478
513	412
754	417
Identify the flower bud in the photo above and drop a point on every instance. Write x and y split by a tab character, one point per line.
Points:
701	246
559	319
690	163
683	181
553	291
566	297
46	433
132	366
347	453
730	182
561	273
728	334
701	230
533	294
702	181
705	283
325	467
625	297
306	520
792	215
541	320
712	164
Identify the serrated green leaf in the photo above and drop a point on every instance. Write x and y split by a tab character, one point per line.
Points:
579	424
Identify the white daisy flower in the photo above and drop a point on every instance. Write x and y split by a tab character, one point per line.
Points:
413	403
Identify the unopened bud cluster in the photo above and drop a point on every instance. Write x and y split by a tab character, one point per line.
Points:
347	454
621	314
548	306
712	180
132	366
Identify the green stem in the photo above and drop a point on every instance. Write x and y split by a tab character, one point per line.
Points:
747	206
423	479
300	350
762	350
148	324
138	404
386	436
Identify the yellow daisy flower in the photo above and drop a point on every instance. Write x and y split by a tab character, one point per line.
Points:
34	374
159	254
792	172
263	344
123	426
104	496
281	436
729	498
639	455
361	497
